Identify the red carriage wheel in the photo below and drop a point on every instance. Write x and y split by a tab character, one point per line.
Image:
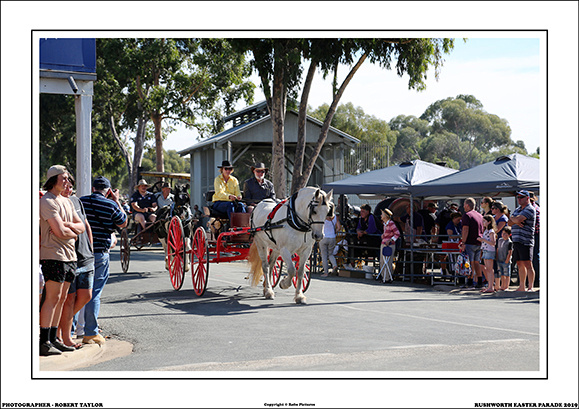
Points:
176	252
125	247
200	261
276	271
307	274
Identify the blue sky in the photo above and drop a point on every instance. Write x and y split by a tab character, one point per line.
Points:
503	73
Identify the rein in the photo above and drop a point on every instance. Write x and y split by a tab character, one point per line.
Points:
292	217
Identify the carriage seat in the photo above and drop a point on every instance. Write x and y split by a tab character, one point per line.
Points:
210	211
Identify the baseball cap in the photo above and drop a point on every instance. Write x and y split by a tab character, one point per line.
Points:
55	171
100	182
523	193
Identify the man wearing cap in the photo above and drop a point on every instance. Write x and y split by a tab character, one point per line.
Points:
59	228
536	249
144	204
257	188
227	191
522	222
104	214
165	197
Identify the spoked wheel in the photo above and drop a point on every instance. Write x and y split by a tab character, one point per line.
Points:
200	261
307	274
125	247
276	271
176	252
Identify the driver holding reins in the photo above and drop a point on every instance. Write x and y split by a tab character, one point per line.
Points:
227	192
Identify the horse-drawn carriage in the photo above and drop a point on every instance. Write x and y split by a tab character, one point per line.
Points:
274	238
156	232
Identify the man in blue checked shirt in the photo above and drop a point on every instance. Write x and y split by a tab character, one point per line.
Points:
104	214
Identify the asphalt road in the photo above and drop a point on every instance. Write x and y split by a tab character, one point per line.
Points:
346	325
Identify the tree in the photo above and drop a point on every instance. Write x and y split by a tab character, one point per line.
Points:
192	81
174	163
278	62
462	122
57	139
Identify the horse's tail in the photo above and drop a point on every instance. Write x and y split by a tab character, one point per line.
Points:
255	269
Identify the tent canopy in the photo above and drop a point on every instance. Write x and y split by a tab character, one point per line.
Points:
391	181
505	175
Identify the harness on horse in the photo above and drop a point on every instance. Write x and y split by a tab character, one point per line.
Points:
292	217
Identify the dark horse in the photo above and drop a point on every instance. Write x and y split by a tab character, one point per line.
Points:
182	209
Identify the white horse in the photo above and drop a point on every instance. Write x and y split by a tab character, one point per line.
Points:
287	228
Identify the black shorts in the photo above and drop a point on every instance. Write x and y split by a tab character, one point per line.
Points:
59	271
522	252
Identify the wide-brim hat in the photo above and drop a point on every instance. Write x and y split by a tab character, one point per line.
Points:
225	164
142	182
259	165
388	212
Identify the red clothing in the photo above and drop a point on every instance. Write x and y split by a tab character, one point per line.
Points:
391	232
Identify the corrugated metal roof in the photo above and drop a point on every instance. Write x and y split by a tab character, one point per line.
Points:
222	137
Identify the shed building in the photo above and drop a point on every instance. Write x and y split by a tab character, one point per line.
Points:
251	131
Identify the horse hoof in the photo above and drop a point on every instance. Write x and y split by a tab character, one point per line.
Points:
300	299
285	284
269	295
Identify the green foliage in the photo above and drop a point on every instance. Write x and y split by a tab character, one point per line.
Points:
174	163
456	131
58	140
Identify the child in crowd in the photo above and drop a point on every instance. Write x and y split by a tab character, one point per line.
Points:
488	241
504	253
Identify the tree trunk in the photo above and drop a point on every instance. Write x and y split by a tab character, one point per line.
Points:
138	156
301	140
157	119
278	105
326	125
122	146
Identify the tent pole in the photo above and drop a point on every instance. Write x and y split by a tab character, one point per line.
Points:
411	239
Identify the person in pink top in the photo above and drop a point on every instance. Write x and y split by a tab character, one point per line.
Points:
389	237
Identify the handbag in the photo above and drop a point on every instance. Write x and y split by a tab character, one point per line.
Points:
462	266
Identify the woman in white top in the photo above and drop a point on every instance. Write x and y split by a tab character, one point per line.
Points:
328	243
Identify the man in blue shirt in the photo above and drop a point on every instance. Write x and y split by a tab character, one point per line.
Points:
104	214
144	204
522	222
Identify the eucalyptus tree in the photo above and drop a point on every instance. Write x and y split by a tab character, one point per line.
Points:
279	65
467	132
189	81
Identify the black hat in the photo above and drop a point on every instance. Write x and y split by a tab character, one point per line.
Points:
225	164
165	184
259	165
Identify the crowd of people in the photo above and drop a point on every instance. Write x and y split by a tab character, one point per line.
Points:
76	235
493	238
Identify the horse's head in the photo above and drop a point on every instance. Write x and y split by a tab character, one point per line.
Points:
181	195
318	209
